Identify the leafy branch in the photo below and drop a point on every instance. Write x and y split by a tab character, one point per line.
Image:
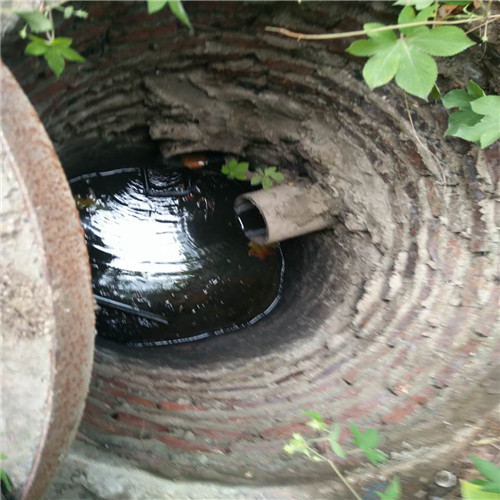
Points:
235	170
487	488
408	58
56	51
175	6
4	479
240	171
267	177
365	31
366	441
478	118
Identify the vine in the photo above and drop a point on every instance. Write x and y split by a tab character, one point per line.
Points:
409	59
320	449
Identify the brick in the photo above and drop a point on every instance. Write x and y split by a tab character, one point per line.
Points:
222	435
108	425
411	405
140	423
285	431
433	234
129	397
171	406
474	281
112	381
432	197
359	410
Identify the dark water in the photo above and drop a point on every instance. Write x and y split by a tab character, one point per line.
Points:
169	261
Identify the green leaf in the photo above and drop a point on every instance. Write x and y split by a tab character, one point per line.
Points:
392	492
277	176
335	432
314	424
61	42
461	118
457	99
426	13
333	438
379	36
315	415
407	15
375	456
297	444
255	181
5	480
242	167
235	170
35	49
156	5
484	133
38	39
488	469
381	68
478	121
419	4
436	94
36	21
55	60
267	183
2	456
441	41
471	491
178	10
364	440
68	12
488	105
71	55
337	449
362	48
475	90
417	72
269	170
81	13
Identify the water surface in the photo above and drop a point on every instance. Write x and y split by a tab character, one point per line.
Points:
169	261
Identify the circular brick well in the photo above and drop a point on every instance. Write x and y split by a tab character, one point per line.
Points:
388	319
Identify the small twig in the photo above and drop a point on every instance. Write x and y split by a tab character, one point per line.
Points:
487	20
420	141
330	36
492	440
339	474
476	27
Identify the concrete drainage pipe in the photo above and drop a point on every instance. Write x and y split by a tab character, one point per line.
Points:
388	319
284	212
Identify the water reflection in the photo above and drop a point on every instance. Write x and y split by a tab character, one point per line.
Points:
169	261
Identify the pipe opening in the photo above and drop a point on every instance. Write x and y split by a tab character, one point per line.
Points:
251	220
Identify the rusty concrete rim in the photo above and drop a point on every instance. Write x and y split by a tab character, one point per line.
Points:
63	252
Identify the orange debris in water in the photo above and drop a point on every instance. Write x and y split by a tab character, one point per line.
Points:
261	251
194	161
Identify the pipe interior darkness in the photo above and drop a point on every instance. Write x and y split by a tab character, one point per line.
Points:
387	318
251	219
